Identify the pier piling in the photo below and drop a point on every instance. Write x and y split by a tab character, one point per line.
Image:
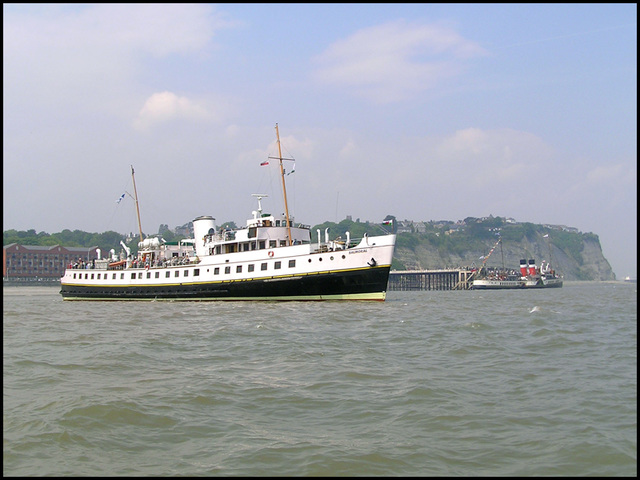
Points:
445	279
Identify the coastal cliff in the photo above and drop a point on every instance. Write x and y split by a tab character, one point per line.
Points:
575	256
591	266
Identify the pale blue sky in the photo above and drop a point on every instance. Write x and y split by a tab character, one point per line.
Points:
425	112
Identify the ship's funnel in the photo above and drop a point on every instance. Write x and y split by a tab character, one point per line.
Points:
201	226
532	267
523	267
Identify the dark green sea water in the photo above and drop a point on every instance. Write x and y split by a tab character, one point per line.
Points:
438	383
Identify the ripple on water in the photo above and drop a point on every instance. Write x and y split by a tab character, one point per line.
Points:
425	384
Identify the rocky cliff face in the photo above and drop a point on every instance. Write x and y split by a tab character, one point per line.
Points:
594	266
590	263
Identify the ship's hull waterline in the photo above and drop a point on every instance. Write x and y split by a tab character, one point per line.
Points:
358	284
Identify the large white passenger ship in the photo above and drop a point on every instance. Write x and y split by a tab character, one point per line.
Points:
267	259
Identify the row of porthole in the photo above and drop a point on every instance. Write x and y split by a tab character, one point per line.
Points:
330	258
140	273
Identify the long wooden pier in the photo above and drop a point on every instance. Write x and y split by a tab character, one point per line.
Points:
444	279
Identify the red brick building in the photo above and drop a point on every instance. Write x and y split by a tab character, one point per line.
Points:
30	261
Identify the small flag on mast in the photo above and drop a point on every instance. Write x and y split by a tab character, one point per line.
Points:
293	169
387	222
266	162
120	199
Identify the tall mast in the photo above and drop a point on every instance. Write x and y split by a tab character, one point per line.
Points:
549	245
135	192
284	189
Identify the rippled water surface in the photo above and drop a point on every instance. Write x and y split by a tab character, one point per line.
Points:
469	383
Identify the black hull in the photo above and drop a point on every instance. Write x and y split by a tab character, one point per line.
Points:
365	284
552	285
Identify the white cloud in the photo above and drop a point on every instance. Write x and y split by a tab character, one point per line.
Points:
609	184
348	150
90	57
491	156
166	106
470	141
159	29
396	60
604	174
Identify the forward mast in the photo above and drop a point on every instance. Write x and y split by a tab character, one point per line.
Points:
135	192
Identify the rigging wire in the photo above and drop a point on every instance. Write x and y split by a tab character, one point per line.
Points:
118	205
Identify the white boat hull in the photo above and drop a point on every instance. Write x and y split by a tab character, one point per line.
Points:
486	284
544	283
524	283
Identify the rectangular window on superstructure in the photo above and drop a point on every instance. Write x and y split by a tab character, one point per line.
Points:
92	276
186	273
277	265
113	277
122	276
133	276
216	271
263	266
227	269
140	275
262	245
196	272
239	269
98	276
251	267
272	244
292	263
176	274
167	274
157	274
148	274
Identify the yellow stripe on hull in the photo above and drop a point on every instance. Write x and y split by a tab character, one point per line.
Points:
378	296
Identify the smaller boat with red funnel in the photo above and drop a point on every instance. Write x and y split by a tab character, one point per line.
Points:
540	277
530	275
